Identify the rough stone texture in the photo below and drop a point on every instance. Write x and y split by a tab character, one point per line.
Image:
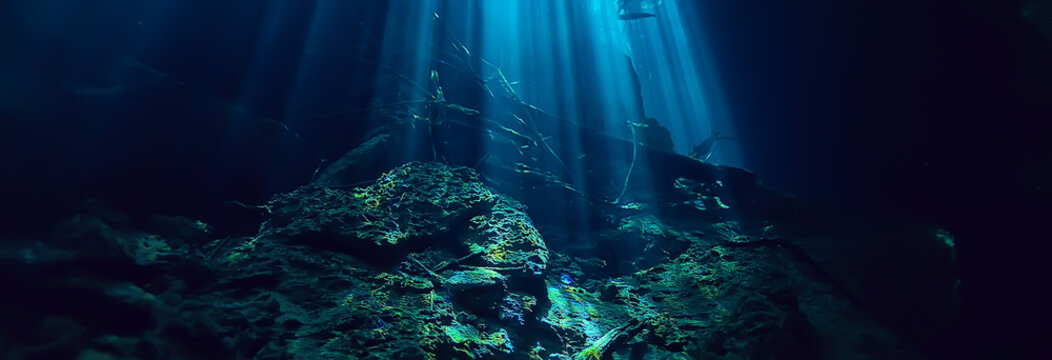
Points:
506	238
390	270
411	201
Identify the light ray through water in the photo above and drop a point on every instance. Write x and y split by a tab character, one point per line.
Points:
573	60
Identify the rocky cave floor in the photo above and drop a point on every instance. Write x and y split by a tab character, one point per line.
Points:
428	262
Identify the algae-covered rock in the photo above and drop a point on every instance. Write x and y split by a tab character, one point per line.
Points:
702	195
389	270
474	344
472	278
409	202
410	207
638	242
444	250
506	238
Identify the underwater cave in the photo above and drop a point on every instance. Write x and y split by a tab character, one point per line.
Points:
524	179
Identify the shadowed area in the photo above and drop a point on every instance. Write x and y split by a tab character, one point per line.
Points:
523	179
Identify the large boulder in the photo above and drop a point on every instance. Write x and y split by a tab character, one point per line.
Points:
412	207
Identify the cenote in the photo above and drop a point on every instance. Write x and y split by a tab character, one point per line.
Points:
524	179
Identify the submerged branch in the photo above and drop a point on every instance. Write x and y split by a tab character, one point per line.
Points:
631	166
603	348
464	55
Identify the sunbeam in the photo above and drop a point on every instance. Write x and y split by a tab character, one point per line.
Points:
516	179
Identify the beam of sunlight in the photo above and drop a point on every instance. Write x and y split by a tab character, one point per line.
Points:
584	62
681	87
568	55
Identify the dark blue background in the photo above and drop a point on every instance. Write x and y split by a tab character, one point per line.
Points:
932	110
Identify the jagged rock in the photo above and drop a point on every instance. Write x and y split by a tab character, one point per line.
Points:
506	238
413	206
469	277
458	248
638	242
409	202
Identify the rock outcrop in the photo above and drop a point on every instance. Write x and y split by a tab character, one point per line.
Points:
428	262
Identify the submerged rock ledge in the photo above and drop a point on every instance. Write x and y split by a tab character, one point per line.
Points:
428	262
